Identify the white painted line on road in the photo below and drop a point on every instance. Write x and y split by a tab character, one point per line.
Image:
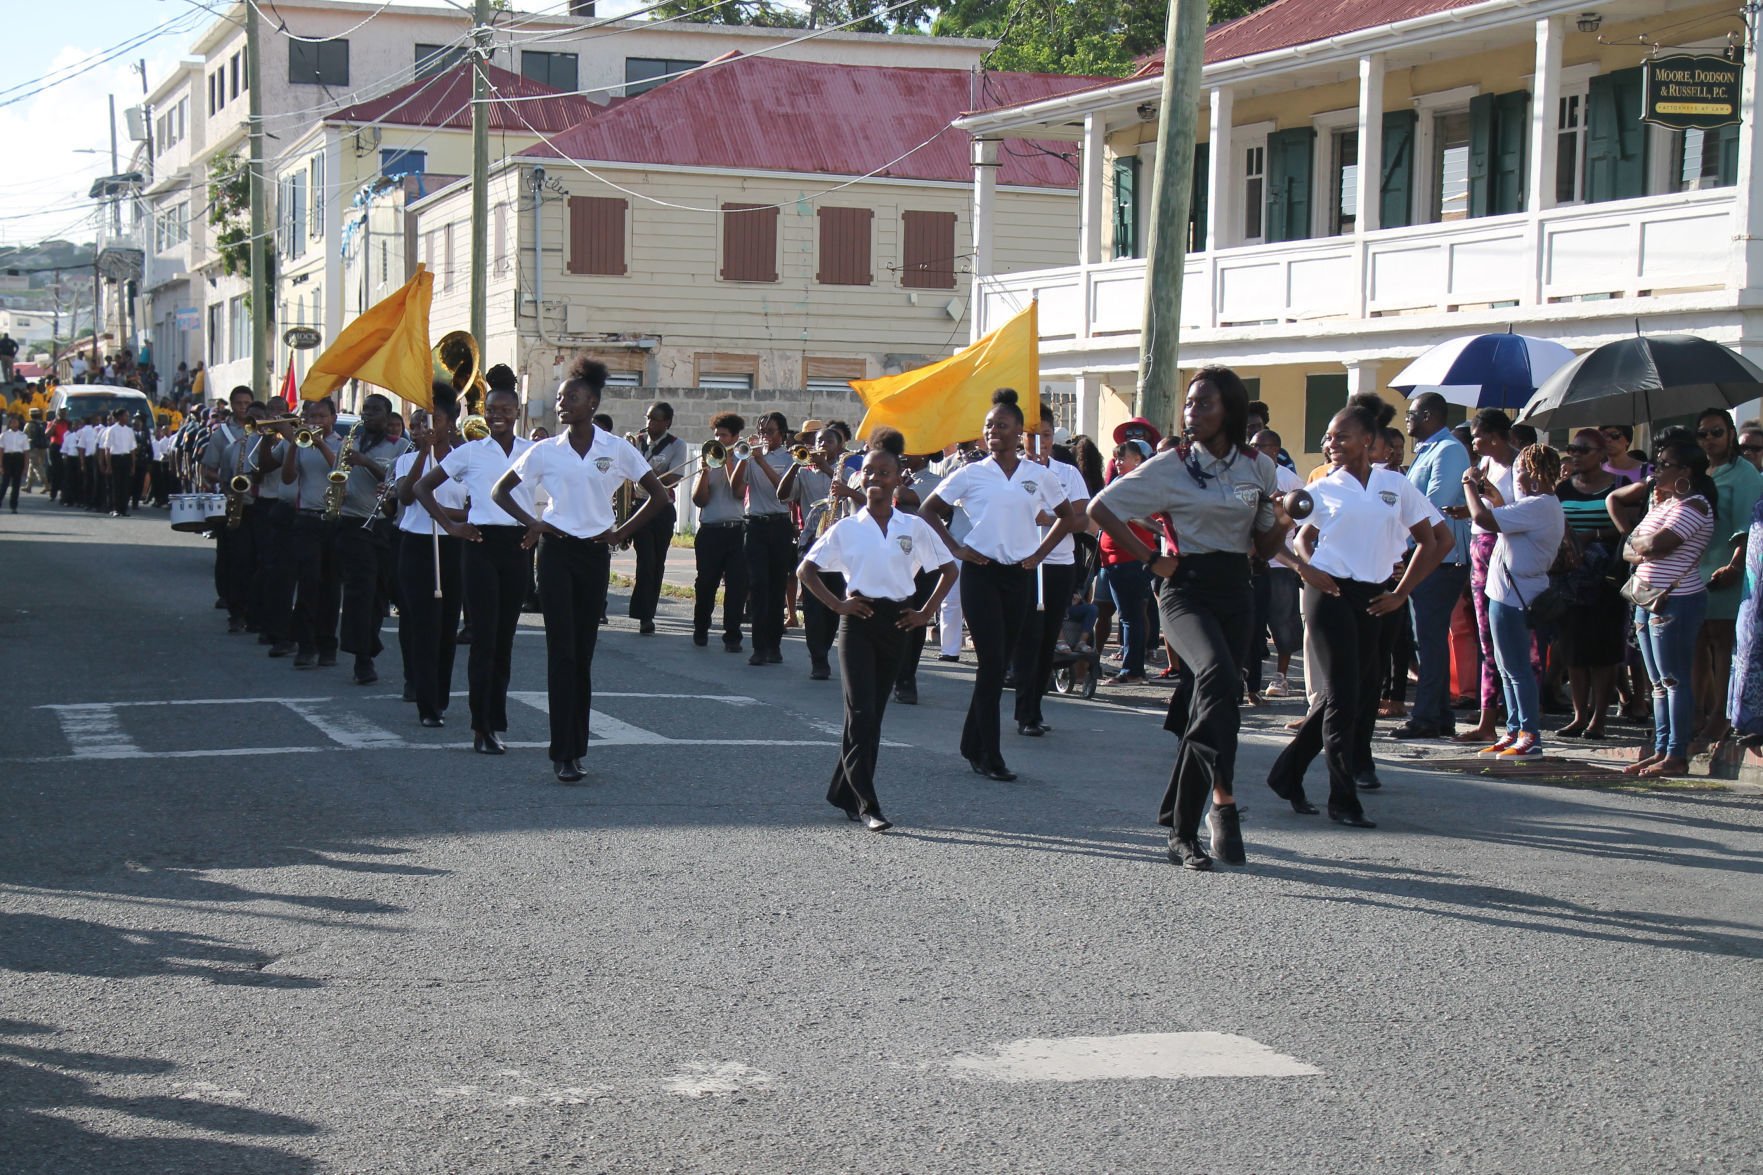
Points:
731	699
344	728
1166	1056
718	1080
94	732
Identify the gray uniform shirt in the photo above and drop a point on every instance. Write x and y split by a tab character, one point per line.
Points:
221	455
811	487
1219	516
670	456
761	494
362	493
259	459
723	506
311	469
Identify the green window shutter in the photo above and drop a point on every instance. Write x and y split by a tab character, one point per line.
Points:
1616	138
1511	147
1324	395
1396	188
1725	140
1481	154
1126	207
1197	210
1290	157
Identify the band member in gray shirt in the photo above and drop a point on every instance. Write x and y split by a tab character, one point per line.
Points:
314	552
364	538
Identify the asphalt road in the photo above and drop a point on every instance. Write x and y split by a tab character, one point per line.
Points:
257	920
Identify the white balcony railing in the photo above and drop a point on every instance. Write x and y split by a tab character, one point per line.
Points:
1616	249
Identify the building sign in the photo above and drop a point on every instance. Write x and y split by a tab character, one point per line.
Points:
302	338
188	318
1691	91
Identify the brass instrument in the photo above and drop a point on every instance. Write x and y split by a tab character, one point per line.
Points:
624	502
713	455
253	427
474	427
459	361
387	488
237	487
305	438
742	451
339	478
801	454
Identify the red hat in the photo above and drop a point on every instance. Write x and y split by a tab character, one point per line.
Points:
1150	432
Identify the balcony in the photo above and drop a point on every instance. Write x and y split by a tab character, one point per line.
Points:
1618	249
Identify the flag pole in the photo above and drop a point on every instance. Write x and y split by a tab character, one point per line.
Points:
434	526
1041	567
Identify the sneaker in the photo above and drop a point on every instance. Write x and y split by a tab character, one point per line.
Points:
1524	745
1189	855
1222	822
1499	746
700	639
1279	687
1061	647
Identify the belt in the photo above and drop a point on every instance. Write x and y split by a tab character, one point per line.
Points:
715	525
767	518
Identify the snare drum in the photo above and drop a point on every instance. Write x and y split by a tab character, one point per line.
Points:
215	510
188	512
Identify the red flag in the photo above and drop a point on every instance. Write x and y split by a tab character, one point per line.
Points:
290	389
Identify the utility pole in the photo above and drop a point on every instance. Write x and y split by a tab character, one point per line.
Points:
262	297
1172	196
480	171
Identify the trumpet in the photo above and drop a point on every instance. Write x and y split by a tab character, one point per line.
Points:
742	451
253	427
713	455
801	454
305	438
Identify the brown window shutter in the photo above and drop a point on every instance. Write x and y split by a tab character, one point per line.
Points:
749	243
844	247
596	235
927	258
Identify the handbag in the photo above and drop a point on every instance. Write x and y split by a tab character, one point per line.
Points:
1549	607
1644	595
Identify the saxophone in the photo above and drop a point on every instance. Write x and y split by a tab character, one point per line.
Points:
238	487
339	478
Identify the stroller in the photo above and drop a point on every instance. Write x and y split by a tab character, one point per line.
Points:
1076	664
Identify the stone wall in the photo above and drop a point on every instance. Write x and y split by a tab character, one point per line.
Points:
693	408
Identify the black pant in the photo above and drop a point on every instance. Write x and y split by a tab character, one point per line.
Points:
820	624
55	468
277	569
1344	676
1395	646
923	584
721	551
771	556
315	576
572	590
97	485
427	626
650	544
236	554
870	651
138	481
122	482
995	598
1208	611
1040	631
161	472
497	572
364	564
11	476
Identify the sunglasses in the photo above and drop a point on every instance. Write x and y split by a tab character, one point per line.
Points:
1669	465
1704	434
1751	448
1586	449
1136	432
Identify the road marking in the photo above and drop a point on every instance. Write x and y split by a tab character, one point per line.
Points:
95	731
1167	1056
718	1080
344	728
731	699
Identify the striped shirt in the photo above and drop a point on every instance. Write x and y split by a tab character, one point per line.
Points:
1680	570
1585	509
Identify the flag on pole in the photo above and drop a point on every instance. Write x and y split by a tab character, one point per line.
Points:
387	346
290	388
947	402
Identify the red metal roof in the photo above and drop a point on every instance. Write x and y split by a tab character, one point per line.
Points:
1286	23
444	100
768	114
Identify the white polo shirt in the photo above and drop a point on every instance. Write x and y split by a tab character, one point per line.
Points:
89	437
1501	477
70	443
581	487
477	466
13	440
1071	480
1003	509
876	561
1363	529
414	518
119	440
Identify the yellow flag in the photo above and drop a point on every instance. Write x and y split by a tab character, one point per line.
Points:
387	346
946	402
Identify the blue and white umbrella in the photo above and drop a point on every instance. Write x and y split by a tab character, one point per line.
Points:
1485	371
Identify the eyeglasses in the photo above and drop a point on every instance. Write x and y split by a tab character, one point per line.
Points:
1751	448
1584	449
1703	434
1611	434
1135	431
1669	465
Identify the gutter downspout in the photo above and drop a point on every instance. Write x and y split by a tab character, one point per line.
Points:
539	255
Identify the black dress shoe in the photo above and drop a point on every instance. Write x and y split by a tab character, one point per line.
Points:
1367	781
1302	806
906	695
1417	730
305	660
731	646
948	657
485	742
820	672
327	660
432	720
282	649
1030	729
700	639
1001	774
757	658
774	657
365	673
567	772
646	628
1189	855
1350	819
876	822
1227	834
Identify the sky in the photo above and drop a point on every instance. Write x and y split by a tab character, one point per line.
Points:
55	142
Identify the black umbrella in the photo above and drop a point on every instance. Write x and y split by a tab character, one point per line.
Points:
1643	379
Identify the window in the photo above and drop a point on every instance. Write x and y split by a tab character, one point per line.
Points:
927	252
1290	154
1126	208
324	63
845	247
233	68
434	59
1254	191
1343	209
499	233
1450	166
317	203
1616	138
171	227
217	90
291	228
724	372
1705	159
749	243
726	383
596	236
1569	148
1499	140
624	379
1395	195
1324	395
216	334
240	320
446	257
831	377
557	70
645	73
395	161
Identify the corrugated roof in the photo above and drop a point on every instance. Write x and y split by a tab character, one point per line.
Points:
444	100
768	114
1286	23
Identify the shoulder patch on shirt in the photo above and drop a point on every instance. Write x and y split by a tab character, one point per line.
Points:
1389	497
602	463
